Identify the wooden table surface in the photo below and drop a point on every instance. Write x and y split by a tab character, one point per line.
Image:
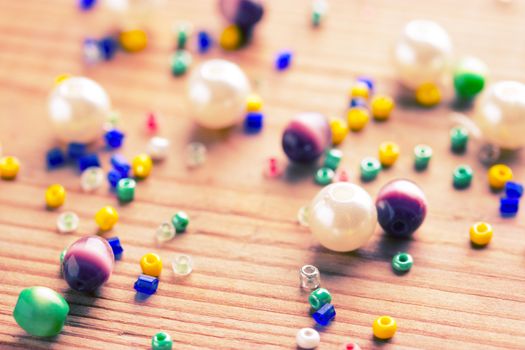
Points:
243	236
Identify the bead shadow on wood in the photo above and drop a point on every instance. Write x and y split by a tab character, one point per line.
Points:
295	172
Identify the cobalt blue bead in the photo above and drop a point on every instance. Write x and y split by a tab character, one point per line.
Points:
283	60
368	81
114	242
114	138
121	165
513	189
509	206
358	102
76	150
87	161
114	176
108	47
324	315
146	284
204	41
86	5
55	158
253	122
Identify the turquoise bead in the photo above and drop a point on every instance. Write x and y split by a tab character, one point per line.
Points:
462	176
370	168
423	153
126	190
402	262
333	158
180	221
458	139
319	297
324	176
161	341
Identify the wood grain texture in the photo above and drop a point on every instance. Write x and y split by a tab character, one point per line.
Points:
243	236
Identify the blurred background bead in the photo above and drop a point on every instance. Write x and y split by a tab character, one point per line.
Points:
333	158
55	196
388	153
324	176
133	40
350	346
182	265
55	158
126	190
106	218
498	176
470	75
91	179
165	232
283	60
195	154
114	138
231	38
357	118
116	247
428	95
254	103
508	207
274	168
513	189
462	176
382	107
307	338
459	139
141	166
339	130
245	13
158	148
370	168
310	277
67	222
76	150
9	167
306	137
488	154
423	154
359	90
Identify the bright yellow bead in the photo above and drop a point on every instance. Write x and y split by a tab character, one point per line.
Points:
141	166
382	106
481	233
231	38
151	265
357	118
9	167
133	40
384	327
339	130
61	78
499	174
254	103
359	90
55	196
428	95
106	218
388	153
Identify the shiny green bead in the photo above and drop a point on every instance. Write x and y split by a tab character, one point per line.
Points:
333	158
180	221
402	262
319	297
126	189
41	311
324	176
462	176
423	153
370	168
316	18
180	61
182	38
469	77
458	139
161	341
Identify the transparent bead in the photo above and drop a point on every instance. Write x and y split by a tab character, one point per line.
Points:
195	154
67	222
165	232
91	52
310	277
92	178
302	216
158	148
489	154
182	265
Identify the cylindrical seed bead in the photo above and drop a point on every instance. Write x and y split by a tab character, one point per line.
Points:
310	277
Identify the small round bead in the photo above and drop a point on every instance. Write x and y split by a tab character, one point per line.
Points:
165	232
55	196
231	38
428	95
350	346
357	118
462	176
324	176
402	262
126	190
161	341
469	77
141	166
359	90
339	130
333	158
9	167
423	154
388	153
254	103
67	222
319	297
106	218
133	40
308	338
382	107
384	327
498	175
151	264
370	168
458	139
158	148
481	233
91	178
180	221
195	154
182	265
310	277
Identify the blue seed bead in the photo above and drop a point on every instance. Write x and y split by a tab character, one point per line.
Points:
513	189
87	161
324	315
114	242
76	150
146	284
204	41
114	138
108	47
121	165
86	5
55	158
283	60
368	81
114	177
358	102
509	207
253	122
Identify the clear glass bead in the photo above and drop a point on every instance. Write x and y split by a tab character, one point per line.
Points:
165	232
92	178
67	222
91	52
489	154
158	148
182	265
310	277
302	216
195	154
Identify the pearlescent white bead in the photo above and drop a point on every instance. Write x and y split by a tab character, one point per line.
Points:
158	148
423	54
78	108
216	93
182	265
67	222
91	178
342	216
500	114
308	338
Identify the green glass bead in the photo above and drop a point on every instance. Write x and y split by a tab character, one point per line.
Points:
319	297
423	153
316	18
182	38
370	168
161	341
180	221
469	77
333	158
180	62
402	262
462	176
126	189
41	311
324	176
458	139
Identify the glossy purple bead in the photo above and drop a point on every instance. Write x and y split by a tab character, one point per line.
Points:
244	13
88	263
401	207
306	137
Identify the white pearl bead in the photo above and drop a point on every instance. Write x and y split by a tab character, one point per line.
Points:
67	222
308	338
500	114
342	216
423	54
158	148
78	108
217	92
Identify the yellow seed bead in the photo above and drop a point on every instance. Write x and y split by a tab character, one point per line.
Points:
339	130
133	40
382	106
388	153
231	38
9	167
481	233
359	90
151	265
141	166
428	95
61	78
384	327
357	118
106	218
254	103
55	196
499	174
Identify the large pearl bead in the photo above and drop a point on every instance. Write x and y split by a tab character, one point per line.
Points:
78	108
217	92
423	54
500	114
306	137
342	216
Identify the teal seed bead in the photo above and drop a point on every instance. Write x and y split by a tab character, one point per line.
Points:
458	139
423	153
324	176
333	158
319	297
462	176
402	262
161	341
180	62
180	221
370	168
126	189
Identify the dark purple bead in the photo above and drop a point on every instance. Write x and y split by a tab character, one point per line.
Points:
401	207
306	137
244	13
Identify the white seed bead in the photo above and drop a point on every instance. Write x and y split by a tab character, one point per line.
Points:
308	338
158	148
165	232
195	154
92	178
182	265
67	222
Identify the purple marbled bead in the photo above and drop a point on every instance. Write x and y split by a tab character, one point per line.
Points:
306	137
401	207
88	263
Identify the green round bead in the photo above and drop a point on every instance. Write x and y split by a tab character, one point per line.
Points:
180	221
402	262
180	61
126	189
161	341
458	139
41	311
469	77
370	167
333	158
462	176
319	297
423	153
324	176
